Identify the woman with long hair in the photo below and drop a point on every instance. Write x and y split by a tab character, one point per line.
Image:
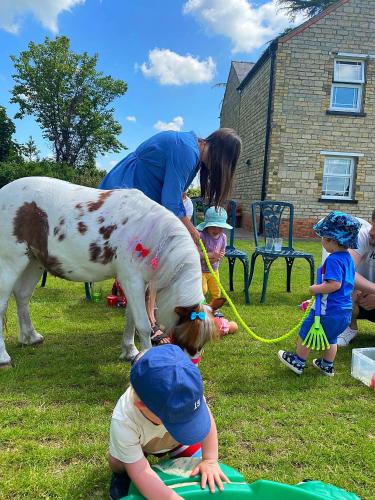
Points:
165	165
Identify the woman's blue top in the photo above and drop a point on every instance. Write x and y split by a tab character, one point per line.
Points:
162	167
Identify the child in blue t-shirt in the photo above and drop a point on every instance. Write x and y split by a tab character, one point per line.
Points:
339	232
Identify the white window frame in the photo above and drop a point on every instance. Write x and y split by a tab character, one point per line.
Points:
352	61
354	109
348	83
351	175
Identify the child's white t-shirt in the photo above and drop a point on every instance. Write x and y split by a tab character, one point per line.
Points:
132	434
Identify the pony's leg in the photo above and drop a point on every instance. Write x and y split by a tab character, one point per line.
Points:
9	272
129	351
134	289
23	290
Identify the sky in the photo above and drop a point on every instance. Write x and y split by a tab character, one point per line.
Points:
171	54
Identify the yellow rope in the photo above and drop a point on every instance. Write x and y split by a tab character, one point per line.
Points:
294	330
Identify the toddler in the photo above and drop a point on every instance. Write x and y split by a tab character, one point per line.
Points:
163	409
215	240
339	232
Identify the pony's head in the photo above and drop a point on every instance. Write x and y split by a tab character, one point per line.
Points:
196	326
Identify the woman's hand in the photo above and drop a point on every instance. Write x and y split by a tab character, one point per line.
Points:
190	227
195	235
210	473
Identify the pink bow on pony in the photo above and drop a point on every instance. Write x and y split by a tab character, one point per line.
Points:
155	263
143	251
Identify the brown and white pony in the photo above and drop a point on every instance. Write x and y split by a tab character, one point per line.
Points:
84	234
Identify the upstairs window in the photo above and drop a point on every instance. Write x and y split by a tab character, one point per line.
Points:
338	178
347	86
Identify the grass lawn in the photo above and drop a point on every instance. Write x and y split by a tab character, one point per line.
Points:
56	403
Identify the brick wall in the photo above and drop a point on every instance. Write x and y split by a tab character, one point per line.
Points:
301	128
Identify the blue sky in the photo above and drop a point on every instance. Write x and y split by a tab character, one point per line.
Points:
170	52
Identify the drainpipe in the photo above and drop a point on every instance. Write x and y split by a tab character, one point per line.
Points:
272	49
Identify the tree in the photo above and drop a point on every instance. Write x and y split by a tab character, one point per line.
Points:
30	150
8	148
69	98
307	7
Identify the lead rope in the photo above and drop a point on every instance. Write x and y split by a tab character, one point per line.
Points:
291	332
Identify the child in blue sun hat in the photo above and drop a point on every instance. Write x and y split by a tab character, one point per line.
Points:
339	231
215	240
163	409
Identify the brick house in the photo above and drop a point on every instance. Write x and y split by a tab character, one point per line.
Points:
306	114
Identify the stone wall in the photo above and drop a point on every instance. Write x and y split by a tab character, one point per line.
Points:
301	127
247	185
230	109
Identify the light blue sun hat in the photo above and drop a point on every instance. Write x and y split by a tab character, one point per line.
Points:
214	218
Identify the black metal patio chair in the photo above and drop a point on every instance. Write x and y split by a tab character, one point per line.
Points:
271	217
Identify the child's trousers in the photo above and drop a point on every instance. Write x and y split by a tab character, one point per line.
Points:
209	285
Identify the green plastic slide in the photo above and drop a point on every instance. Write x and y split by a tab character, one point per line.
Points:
176	474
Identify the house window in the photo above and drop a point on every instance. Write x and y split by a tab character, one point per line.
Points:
347	86
338	178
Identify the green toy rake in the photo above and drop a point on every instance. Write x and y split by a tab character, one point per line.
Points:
316	338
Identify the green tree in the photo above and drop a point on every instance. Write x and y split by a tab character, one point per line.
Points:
307	7
30	151
8	148
69	99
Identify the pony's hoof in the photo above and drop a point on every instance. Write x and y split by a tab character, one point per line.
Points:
125	356
4	366
35	340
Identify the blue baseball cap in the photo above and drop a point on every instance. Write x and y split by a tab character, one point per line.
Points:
171	386
340	227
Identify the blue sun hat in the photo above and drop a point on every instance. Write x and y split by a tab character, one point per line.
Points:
214	218
340	227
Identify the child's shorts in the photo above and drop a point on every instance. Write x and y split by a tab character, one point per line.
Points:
332	325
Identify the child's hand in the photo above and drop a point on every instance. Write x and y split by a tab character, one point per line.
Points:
210	473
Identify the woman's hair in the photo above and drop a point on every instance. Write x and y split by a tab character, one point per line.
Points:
217	170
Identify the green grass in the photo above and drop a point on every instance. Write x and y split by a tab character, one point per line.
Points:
56	403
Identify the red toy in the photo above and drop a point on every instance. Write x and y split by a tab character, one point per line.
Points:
117	298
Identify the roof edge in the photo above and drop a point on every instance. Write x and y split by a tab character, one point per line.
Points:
263	58
299	29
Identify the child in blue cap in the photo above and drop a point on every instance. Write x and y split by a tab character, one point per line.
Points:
163	408
215	240
339	231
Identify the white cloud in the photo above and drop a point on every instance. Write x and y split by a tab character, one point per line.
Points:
173	69
46	12
176	124
248	25
131	118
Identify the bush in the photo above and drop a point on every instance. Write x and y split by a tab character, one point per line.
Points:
194	192
11	171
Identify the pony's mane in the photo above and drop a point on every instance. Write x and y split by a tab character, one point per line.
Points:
178	277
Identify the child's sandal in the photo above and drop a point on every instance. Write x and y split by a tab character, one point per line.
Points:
157	340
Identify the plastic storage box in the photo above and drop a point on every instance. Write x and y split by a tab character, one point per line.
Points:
363	365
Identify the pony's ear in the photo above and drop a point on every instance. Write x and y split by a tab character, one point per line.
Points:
184	312
217	303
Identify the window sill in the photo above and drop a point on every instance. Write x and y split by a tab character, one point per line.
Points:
345	113
337	200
